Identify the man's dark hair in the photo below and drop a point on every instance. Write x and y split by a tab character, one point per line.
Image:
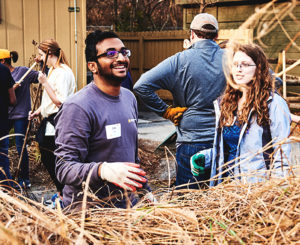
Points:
208	32
91	41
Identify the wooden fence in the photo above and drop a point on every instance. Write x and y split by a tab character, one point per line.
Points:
294	97
150	48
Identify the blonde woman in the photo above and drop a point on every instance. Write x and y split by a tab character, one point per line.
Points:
57	86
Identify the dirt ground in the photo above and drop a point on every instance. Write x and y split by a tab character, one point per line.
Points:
41	181
153	161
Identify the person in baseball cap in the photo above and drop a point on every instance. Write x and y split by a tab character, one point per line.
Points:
205	22
195	78
4	54
203	26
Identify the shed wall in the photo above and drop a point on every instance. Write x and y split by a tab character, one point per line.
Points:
27	20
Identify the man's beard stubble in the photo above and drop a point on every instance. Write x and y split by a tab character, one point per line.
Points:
114	80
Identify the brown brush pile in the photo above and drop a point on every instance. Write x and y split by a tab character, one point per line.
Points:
38	173
230	213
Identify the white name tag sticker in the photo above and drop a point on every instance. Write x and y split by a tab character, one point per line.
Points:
113	131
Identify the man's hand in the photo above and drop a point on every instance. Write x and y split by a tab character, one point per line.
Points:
123	174
197	162
174	114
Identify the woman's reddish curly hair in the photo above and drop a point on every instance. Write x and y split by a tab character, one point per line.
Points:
258	90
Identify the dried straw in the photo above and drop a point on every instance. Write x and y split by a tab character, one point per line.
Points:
232	212
229	213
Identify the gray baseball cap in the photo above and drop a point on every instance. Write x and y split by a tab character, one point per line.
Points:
203	19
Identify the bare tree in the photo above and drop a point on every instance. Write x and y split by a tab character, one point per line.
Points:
134	15
115	13
203	4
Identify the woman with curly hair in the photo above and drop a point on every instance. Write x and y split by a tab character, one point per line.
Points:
252	116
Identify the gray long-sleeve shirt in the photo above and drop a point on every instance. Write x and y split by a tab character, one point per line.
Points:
195	78
93	127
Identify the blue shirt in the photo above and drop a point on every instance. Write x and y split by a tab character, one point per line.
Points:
231	139
195	78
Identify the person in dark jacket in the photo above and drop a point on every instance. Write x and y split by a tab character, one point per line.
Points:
7	97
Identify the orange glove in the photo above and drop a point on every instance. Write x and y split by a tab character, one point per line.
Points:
174	114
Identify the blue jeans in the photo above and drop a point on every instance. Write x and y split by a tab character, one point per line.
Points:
4	161
20	126
184	174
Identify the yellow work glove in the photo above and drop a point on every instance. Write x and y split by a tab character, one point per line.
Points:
174	114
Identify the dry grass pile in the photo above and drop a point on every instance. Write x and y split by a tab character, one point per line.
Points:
230	213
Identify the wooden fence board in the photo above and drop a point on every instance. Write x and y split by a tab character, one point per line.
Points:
150	48
31	28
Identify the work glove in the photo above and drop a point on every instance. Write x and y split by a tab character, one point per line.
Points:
174	114
197	162
123	174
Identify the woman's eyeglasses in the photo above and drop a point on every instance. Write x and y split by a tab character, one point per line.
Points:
113	54
242	65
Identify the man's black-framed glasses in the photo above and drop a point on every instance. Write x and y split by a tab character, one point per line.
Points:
113	54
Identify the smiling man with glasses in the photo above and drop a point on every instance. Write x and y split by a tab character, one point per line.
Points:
97	134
